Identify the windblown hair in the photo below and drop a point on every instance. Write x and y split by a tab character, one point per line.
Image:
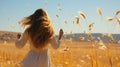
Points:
40	28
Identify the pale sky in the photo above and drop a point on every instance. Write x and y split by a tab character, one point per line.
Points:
12	11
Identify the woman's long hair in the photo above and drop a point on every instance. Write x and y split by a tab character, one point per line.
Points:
40	28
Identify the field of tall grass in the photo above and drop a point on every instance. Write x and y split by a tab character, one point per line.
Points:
70	54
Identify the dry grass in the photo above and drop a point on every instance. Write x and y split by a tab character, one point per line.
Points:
70	54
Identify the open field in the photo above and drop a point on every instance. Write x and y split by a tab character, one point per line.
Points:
70	54
91	31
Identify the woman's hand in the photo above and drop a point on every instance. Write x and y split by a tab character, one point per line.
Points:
60	34
18	36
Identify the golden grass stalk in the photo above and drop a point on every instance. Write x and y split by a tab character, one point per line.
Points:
110	60
82	14
117	12
91	55
118	19
111	37
91	37
93	61
91	26
99	10
110	19
118	63
78	20
97	61
109	57
101	44
82	38
103	35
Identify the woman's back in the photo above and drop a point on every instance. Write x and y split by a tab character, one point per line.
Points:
39	34
36	57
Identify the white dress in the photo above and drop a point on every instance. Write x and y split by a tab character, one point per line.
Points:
36	57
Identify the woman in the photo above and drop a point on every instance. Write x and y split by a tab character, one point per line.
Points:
39	33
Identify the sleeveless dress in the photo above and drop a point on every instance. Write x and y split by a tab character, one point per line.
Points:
36	57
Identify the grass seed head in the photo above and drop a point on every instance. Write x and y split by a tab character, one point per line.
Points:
99	10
